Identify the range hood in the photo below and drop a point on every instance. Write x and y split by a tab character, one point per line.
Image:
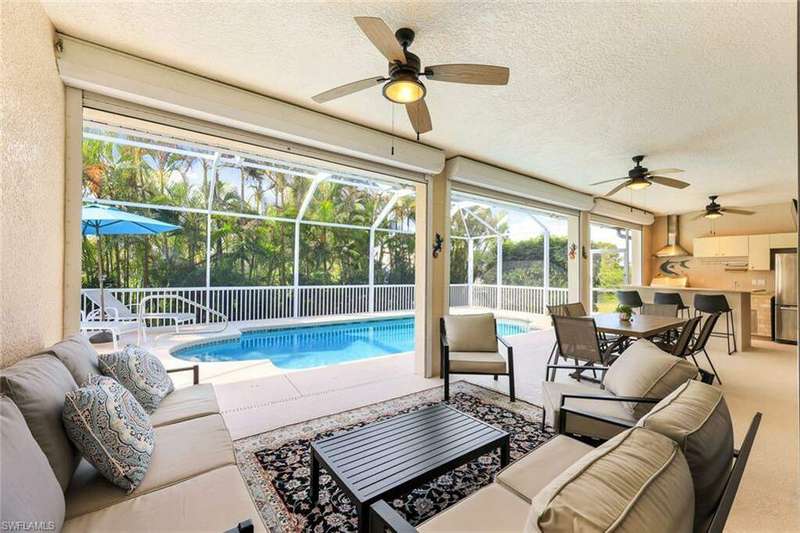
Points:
672	249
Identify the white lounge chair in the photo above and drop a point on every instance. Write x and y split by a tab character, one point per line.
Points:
117	311
91	324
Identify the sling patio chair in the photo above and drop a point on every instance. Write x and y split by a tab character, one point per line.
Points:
701	341
116	311
469	346
577	338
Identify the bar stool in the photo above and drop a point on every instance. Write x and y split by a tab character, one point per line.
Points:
671	298
630	298
717	303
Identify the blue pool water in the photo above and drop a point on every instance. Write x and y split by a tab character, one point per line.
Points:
322	345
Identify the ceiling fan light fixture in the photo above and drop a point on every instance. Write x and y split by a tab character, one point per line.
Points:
637	184
404	88
711	215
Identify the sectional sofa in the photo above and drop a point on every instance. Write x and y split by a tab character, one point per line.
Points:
193	483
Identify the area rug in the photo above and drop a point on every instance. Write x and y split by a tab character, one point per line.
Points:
276	464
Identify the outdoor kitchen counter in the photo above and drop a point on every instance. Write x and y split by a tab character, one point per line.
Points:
738	299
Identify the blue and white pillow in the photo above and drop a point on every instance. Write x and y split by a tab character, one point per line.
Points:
111	430
140	372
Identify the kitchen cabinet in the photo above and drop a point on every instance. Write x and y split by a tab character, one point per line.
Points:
729	246
758	250
783	240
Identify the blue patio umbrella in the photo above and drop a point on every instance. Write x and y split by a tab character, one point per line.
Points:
100	220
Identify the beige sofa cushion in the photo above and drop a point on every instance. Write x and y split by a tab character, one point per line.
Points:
185	404
645	371
471	333
214	501
531	473
78	355
492	508
551	395
697	418
29	491
37	385
479	362
638	481
182	451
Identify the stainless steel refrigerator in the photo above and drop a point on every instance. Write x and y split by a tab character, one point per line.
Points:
785	310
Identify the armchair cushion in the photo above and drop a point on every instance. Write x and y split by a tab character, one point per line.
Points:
645	371
478	362
29	488
471	333
637	481
78	355
37	385
552	393
493	508
696	417
185	404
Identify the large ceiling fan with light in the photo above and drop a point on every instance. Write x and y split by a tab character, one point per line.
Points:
640	177
403	85
714	210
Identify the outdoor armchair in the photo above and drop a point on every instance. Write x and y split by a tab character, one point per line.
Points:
469	346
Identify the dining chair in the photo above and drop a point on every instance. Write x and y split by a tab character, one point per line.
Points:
673	298
569	309
670	310
630	298
702	339
717	303
681	347
469	346
577	339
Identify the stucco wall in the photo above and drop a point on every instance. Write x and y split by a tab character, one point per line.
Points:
31	183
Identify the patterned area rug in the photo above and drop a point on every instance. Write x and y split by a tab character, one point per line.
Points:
276	464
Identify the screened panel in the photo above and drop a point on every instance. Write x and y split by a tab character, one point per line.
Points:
333	256
394	258
485	261
458	261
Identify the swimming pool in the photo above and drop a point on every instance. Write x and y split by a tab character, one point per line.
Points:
329	344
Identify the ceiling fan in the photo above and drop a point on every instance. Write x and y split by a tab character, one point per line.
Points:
640	177
403	85
714	210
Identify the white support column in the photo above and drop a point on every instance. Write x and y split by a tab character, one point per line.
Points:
212	187
546	268
296	264
470	268
73	172
499	266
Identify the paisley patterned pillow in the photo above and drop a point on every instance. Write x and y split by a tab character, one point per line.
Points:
140	372
109	427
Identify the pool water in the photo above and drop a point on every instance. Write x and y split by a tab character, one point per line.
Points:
312	346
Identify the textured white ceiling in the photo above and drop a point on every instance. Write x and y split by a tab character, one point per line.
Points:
710	88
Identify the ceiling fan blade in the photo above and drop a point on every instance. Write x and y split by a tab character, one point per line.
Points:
737	211
607	181
382	37
618	188
419	116
664	171
468	73
669	182
349	88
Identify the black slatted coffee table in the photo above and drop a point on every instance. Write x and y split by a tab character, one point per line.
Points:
385	459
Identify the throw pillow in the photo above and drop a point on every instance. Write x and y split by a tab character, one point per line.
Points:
644	371
140	372
111	429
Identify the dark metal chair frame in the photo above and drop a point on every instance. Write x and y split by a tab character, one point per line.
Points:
700	342
445	363
709	304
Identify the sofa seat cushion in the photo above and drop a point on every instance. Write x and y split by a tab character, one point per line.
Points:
492	508
471	333
140	372
637	481
551	395
37	386
532	472
185	404
481	362
214	501
29	490
182	451
643	370
78	355
697	418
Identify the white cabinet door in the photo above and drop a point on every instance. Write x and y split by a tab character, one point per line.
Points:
705	247
783	240
733	246
758	248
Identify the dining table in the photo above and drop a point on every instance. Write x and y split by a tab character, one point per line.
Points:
638	327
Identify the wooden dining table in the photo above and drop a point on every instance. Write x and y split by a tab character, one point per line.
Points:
639	326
